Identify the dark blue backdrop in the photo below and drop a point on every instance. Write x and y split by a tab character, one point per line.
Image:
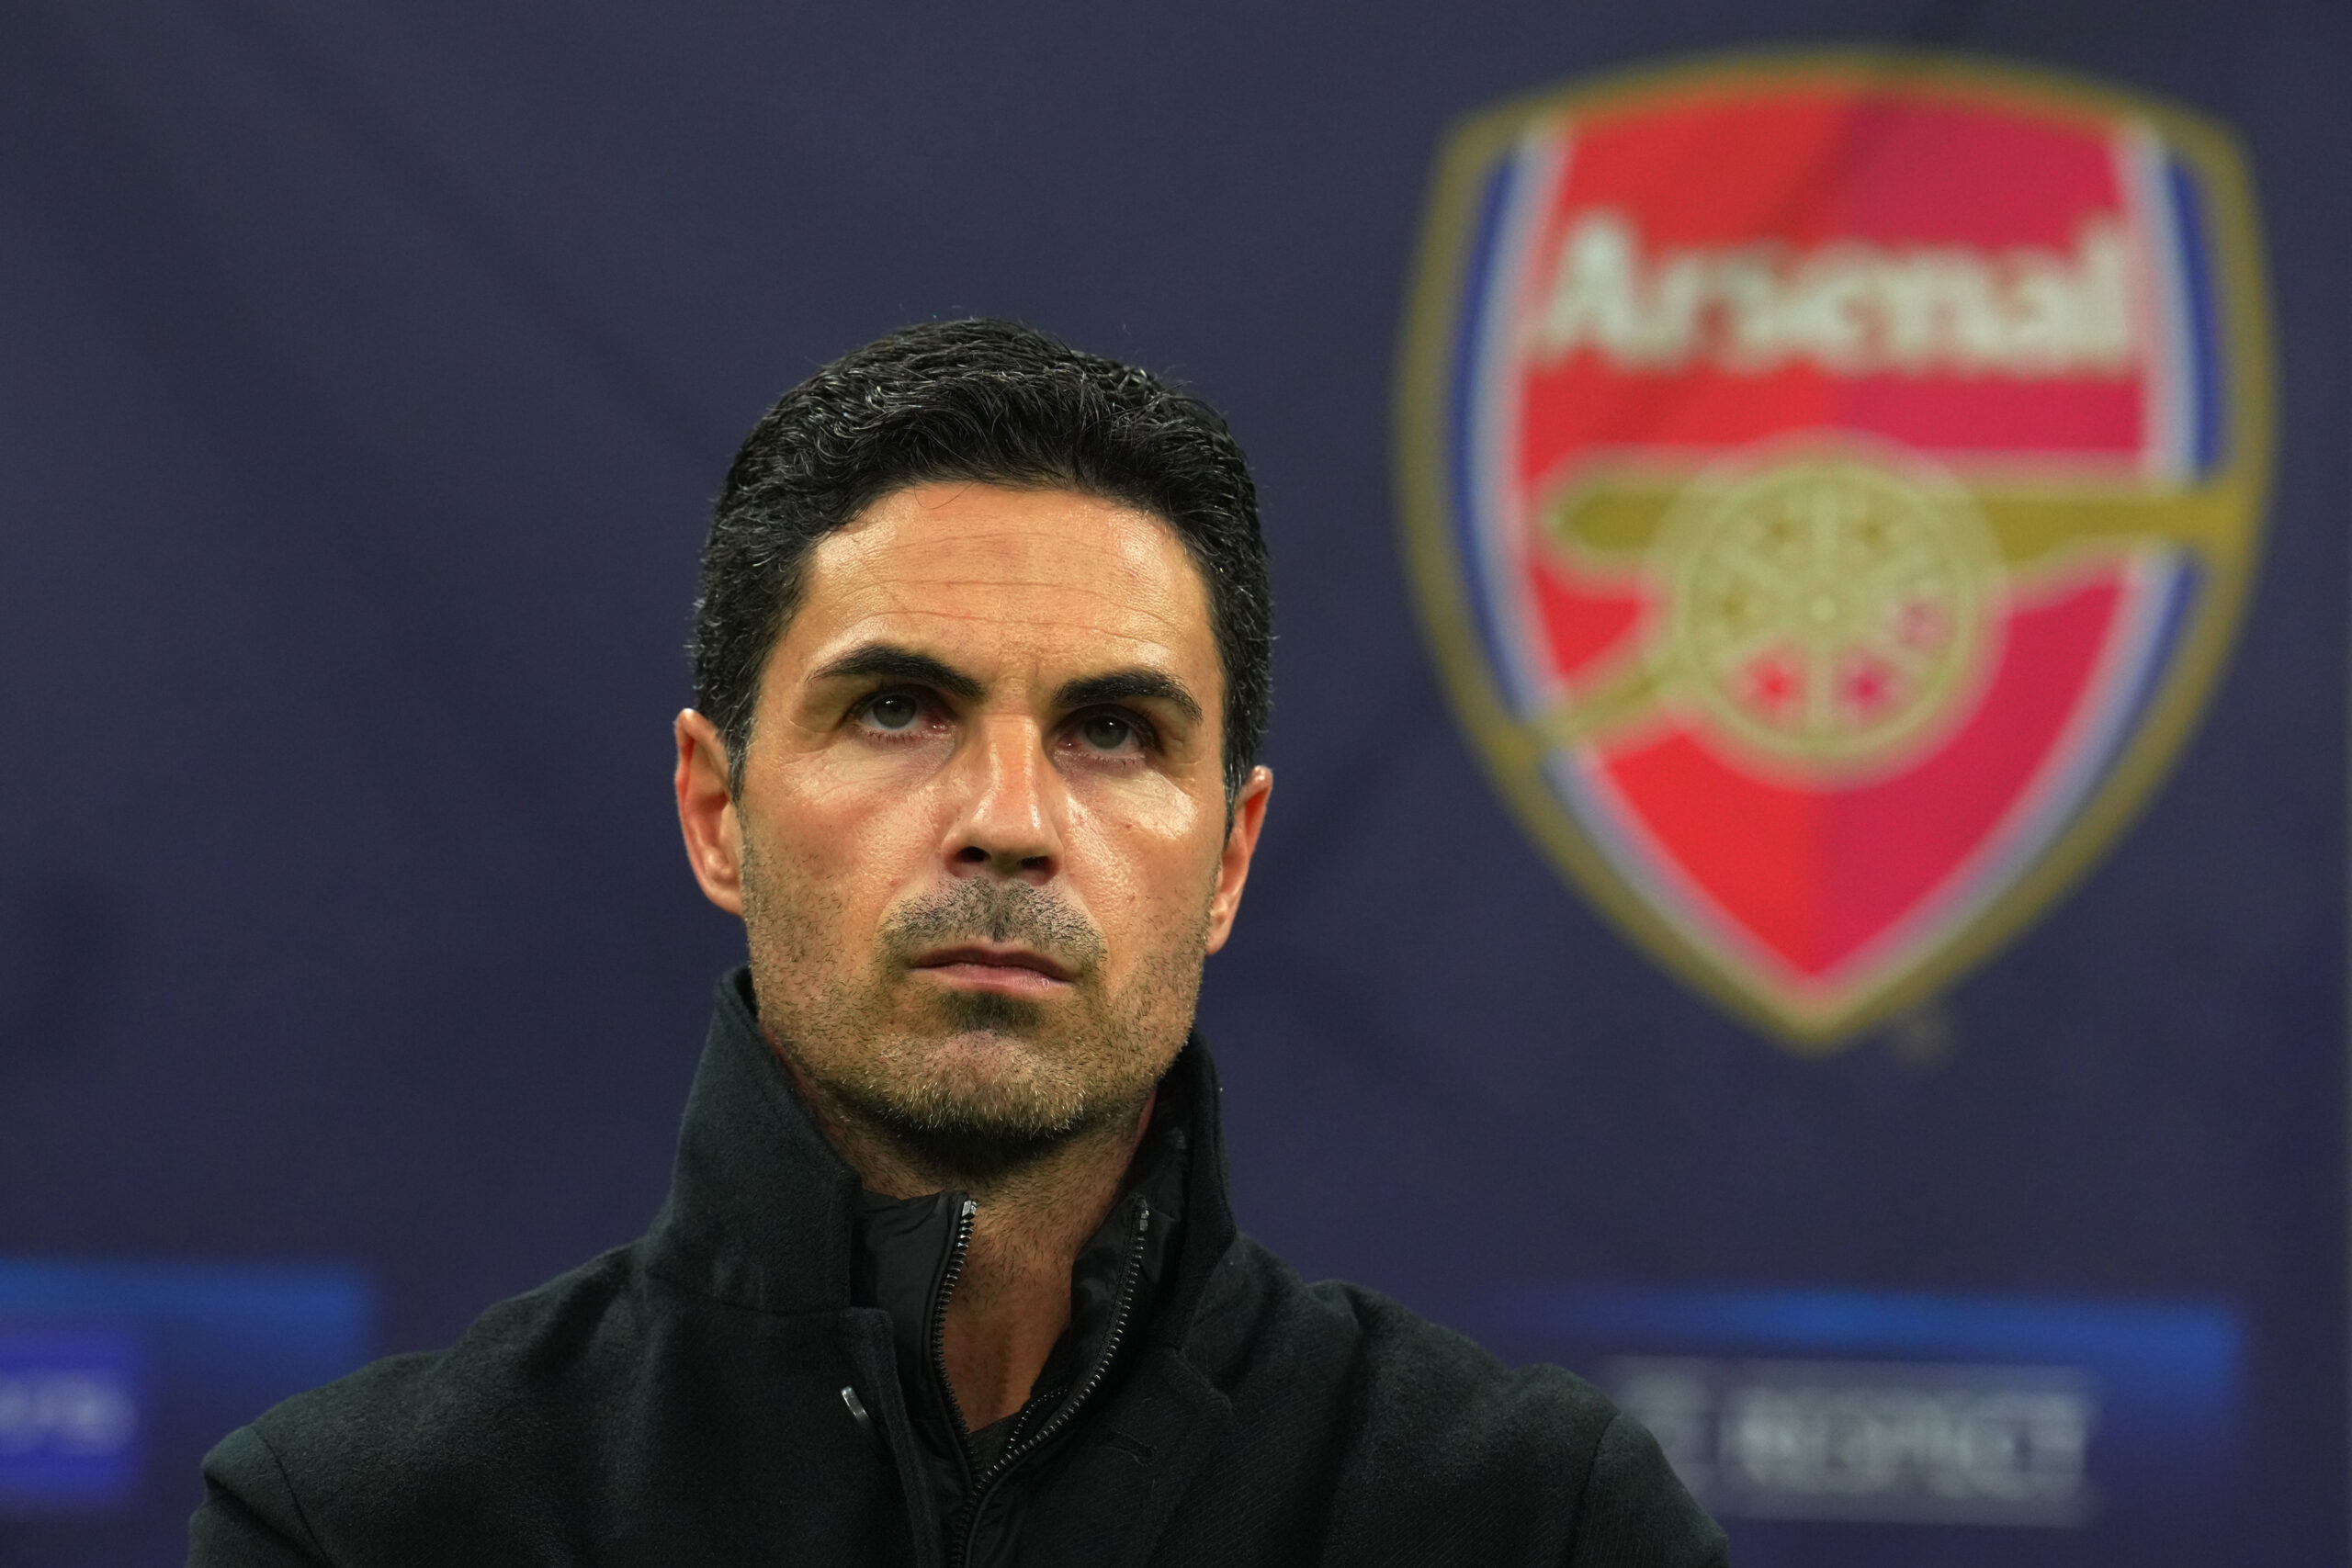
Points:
369	368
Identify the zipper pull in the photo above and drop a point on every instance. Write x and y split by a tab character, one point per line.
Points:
857	1412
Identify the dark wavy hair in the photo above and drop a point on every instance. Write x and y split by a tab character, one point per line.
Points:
993	401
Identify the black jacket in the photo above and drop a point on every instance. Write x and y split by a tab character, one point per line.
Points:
714	1393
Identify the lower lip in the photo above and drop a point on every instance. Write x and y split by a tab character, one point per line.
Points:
1009	978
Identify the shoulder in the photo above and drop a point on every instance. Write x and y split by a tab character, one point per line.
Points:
1403	1378
525	1357
1421	1435
380	1454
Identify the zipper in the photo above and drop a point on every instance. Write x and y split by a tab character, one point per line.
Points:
955	1271
1130	1275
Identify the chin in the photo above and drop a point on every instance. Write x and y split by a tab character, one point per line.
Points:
993	1014
979	1069
979	1080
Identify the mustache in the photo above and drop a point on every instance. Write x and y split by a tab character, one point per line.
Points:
1004	913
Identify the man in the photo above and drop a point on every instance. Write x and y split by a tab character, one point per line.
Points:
947	1275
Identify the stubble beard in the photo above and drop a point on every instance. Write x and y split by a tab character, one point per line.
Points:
968	1085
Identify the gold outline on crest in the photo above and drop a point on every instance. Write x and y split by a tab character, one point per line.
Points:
2228	548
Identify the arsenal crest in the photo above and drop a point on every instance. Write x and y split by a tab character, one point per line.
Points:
1832	483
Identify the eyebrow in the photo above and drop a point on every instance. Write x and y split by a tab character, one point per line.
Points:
890	662
1126	686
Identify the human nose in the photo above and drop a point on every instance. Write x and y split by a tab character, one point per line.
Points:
1011	823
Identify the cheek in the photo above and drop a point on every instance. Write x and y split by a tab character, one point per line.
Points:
846	777
1149	849
856	824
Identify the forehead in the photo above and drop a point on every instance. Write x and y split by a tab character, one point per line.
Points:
1001	578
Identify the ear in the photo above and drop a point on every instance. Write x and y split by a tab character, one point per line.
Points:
1240	843
706	812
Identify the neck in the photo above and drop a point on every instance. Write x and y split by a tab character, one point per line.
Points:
1034	1215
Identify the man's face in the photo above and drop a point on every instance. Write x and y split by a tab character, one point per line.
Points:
980	844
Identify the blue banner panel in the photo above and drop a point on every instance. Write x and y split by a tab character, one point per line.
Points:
1828	1428
70	1402
116	1377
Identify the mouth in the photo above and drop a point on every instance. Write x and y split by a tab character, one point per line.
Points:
1012	971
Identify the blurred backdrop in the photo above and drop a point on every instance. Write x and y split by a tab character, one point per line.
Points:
1950	1166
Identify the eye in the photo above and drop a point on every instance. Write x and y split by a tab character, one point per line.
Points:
893	711
1108	732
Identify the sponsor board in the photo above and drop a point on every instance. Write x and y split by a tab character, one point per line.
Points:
1881	1443
2069	1429
117	1378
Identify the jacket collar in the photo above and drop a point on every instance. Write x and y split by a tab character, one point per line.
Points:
764	1213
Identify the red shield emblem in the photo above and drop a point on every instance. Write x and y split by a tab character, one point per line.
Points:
1832	484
